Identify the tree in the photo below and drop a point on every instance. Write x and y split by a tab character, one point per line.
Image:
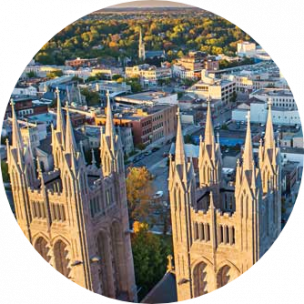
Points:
188	139
233	96
54	74
4	169
139	193
31	74
150	257
3	140
92	98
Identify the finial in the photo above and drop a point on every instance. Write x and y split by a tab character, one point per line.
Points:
269	102
39	170
67	104
170	264
248	116
218	137
12	102
201	138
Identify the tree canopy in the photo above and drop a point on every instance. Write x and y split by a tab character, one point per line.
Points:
139	193
114	36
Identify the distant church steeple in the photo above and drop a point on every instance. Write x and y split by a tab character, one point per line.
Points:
141	47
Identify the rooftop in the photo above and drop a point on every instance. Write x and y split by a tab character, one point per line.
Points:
164	291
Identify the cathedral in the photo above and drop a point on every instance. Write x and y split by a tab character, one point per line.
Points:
76	215
220	230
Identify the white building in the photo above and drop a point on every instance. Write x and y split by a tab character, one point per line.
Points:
209	86
30	91
280	98
149	75
258	114
246	49
43	86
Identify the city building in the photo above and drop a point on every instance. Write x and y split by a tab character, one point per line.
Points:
191	66
114	88
25	90
148	98
81	62
259	112
149	75
149	124
75	215
219	231
24	107
279	98
246	49
125	133
211	87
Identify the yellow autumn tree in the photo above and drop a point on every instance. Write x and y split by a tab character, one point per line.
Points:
139	193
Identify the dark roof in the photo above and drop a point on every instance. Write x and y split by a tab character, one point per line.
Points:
164	291
152	54
45	144
50	96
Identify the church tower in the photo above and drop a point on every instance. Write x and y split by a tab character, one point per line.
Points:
220	231
141	47
270	166
210	159
76	215
182	198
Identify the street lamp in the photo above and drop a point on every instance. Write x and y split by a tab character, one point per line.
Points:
93	259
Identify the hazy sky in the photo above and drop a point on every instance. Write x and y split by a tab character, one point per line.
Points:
151	4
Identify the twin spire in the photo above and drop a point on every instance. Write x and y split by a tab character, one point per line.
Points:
248	151
269	134
60	123
179	145
209	132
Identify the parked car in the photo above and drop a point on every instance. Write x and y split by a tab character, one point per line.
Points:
155	149
147	153
158	194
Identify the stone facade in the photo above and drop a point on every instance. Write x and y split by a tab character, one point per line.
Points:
220	231
76	215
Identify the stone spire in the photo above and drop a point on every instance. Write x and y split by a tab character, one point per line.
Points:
209	133
269	134
109	128
179	144
141	47
60	124
17	142
248	153
70	142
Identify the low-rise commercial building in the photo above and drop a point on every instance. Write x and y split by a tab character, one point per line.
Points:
280	98
148	124
149	75
149	98
211	87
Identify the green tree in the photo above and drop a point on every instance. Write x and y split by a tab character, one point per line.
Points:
31	74
92	98
54	74
150	257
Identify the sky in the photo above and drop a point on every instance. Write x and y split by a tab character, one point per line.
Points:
151	4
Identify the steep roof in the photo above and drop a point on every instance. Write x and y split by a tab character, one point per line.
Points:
164	291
